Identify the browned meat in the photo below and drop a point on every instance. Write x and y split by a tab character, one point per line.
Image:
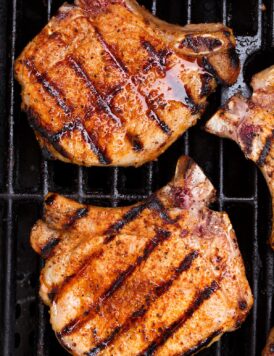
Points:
106	83
250	122
269	347
161	277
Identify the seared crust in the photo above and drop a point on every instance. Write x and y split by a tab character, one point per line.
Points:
106	83
250	123
164	276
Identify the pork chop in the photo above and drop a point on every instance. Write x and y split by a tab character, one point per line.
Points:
164	276
250	122
106	83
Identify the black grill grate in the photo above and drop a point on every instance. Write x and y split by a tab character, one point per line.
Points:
25	177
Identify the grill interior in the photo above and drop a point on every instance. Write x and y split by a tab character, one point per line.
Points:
25	177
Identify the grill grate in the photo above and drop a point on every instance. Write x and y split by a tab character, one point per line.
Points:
25	177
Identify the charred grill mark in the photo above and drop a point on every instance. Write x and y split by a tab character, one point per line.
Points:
157	205
203	343
35	123
200	43
163	126
78	214
48	247
77	125
57	290
103	345
160	237
123	69
195	108
183	267
210	69
157	58
200	298
129	216
110	51
110	96
54	138
136	143
151	245
50	87
101	103
206	79
153	203
138	314
266	150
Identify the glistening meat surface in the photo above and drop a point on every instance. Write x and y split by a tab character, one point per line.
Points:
250	123
164	276
106	83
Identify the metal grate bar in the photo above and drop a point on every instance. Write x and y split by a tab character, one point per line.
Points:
269	288
9	299
115	194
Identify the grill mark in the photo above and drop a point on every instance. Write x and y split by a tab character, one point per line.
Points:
102	104
110	96
152	203
158	58
266	150
77	125
151	245
200	298
94	351
135	142
128	217
138	314
50	87
48	247
206	84
123	69
195	108
210	69
57	290
157	205
161	123
35	123
202	344
160	237
78	214
108	49
54	138
200	43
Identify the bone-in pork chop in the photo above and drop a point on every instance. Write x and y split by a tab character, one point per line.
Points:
106	83
164	276
250	122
